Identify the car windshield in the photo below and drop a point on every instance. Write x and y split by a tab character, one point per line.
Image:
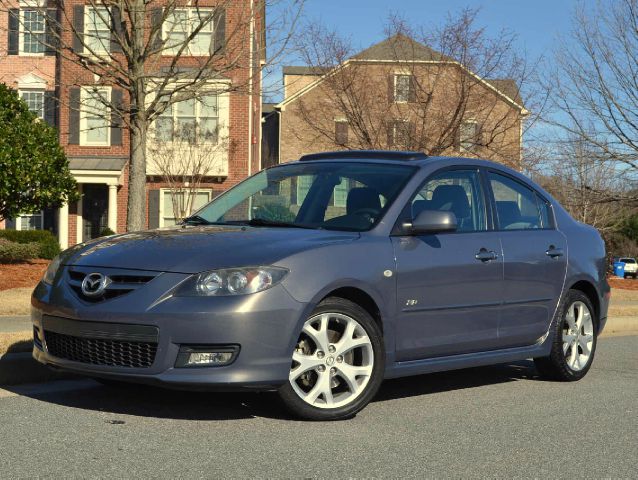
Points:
350	196
628	260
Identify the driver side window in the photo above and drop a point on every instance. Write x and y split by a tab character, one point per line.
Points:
456	191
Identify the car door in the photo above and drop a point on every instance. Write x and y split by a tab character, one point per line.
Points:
449	285
535	260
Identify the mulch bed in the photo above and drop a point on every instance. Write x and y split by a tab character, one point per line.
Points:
626	284
24	274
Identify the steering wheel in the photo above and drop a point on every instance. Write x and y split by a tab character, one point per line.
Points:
368	213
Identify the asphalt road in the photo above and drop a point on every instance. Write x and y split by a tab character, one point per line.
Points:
498	421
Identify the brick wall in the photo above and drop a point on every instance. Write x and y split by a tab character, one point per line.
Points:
307	123
12	67
241	139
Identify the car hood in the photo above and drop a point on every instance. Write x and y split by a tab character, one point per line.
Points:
194	249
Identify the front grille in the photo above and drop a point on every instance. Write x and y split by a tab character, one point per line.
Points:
120	283
98	351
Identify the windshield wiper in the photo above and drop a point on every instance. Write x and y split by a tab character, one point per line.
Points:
262	222
196	220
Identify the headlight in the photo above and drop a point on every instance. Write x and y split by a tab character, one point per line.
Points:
52	269
231	281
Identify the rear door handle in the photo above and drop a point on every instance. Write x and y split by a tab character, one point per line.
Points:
485	256
553	252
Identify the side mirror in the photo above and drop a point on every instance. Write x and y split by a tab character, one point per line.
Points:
431	221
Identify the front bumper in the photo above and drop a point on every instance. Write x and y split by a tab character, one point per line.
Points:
264	326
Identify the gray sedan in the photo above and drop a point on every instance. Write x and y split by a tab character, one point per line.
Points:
320	278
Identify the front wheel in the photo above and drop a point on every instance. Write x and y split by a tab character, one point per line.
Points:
574	342
338	363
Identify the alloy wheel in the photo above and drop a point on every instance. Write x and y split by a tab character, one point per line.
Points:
578	336
332	362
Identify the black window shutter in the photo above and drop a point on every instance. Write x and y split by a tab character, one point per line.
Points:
153	208
74	116
390	131
219	26
479	140
116	30
13	31
412	140
391	97
78	25
156	22
116	118
52	29
412	90
50	108
457	138
341	133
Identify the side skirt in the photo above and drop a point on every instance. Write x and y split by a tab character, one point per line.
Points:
468	360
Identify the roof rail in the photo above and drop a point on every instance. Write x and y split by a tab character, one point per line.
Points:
365	155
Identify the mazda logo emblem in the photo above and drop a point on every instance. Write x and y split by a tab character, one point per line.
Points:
94	284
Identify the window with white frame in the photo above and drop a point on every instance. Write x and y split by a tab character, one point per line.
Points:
181	23
95	116
193	121
468	135
402	87
178	203
32	31
34	100
97	30
31	221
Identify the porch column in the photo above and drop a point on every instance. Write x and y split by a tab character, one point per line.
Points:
63	226
112	210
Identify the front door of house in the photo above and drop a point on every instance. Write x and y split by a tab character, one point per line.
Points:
95	200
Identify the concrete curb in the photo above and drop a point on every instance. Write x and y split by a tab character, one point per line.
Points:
621	325
18	368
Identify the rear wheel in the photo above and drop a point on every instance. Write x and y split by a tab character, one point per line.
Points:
574	341
338	363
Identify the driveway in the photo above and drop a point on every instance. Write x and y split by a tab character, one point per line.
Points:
497	421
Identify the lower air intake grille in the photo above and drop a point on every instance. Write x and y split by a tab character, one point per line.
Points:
115	353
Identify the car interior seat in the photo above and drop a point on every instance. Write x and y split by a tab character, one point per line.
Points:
452	198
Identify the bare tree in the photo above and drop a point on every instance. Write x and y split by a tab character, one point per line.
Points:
163	53
451	93
595	81
186	164
587	185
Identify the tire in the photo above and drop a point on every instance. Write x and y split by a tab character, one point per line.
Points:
571	332
344	376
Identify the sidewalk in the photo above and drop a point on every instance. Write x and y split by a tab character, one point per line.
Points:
19	323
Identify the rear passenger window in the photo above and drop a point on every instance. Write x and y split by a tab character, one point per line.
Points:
517	206
456	191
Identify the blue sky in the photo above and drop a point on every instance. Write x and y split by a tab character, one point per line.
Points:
535	22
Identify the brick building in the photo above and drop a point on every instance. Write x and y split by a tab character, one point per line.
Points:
400	95
98	149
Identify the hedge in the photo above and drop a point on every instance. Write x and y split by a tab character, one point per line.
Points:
49	246
18	252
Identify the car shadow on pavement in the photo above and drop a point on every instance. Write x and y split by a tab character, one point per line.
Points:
456	380
154	402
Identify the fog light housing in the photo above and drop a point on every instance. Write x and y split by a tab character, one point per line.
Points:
194	356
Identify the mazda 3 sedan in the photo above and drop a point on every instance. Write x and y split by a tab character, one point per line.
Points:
322	277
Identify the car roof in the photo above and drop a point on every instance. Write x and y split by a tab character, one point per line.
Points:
365	155
418	159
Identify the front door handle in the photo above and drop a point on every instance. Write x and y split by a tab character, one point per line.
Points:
554	252
485	256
